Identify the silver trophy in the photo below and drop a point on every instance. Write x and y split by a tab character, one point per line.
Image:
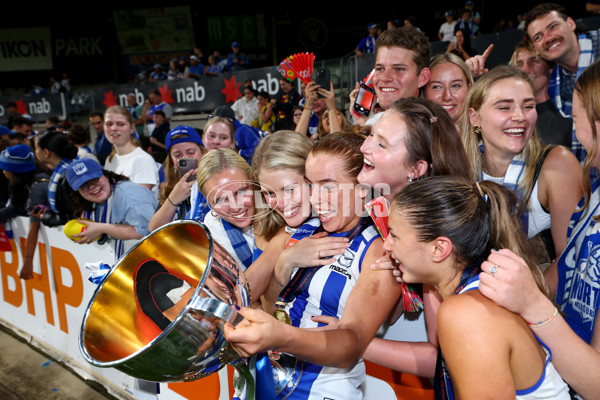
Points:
159	313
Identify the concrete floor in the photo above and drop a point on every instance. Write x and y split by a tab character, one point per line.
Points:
28	374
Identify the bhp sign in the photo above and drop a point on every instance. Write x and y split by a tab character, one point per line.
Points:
63	272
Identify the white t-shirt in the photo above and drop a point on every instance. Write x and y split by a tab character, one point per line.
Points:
138	166
247	110
447	31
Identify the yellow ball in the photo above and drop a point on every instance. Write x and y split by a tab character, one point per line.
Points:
74	227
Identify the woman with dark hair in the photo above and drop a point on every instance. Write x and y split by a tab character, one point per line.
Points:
109	204
54	149
283	105
461	46
265	112
79	135
414	138
18	165
441	229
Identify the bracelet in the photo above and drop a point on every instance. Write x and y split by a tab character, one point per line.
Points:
544	322
174	205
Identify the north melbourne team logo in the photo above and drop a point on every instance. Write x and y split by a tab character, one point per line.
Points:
582	289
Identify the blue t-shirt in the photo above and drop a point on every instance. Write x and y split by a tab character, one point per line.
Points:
133	205
367	44
197	69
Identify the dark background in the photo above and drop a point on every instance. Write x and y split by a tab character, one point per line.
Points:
329	31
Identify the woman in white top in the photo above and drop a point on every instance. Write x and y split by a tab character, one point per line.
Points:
128	158
246	108
573	334
498	131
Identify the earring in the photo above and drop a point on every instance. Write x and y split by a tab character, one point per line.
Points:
410	179
477	129
214	214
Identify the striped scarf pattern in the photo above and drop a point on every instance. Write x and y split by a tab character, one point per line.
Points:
54	181
565	106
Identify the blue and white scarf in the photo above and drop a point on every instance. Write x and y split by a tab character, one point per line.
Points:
239	243
565	106
103	213
198	205
54	182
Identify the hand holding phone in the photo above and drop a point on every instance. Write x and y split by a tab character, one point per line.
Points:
185	165
365	97
364	100
323	79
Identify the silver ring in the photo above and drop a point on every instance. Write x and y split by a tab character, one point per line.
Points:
493	269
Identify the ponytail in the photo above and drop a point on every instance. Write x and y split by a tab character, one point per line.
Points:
505	229
57	143
475	217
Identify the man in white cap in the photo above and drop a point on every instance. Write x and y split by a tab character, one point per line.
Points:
196	69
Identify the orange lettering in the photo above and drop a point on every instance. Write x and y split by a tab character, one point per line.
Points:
66	295
10	271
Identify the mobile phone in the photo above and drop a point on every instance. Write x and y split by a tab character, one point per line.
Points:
364	100
186	164
323	79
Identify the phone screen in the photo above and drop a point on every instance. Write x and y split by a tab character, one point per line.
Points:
364	100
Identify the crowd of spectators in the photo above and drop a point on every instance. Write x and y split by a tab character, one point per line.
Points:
504	136
197	65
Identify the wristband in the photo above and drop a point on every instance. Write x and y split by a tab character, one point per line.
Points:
544	322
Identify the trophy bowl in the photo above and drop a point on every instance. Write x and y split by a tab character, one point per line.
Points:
159	313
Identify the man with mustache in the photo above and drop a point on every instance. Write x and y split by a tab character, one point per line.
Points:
555	38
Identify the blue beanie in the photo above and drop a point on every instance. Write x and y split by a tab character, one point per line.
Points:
182	134
17	159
